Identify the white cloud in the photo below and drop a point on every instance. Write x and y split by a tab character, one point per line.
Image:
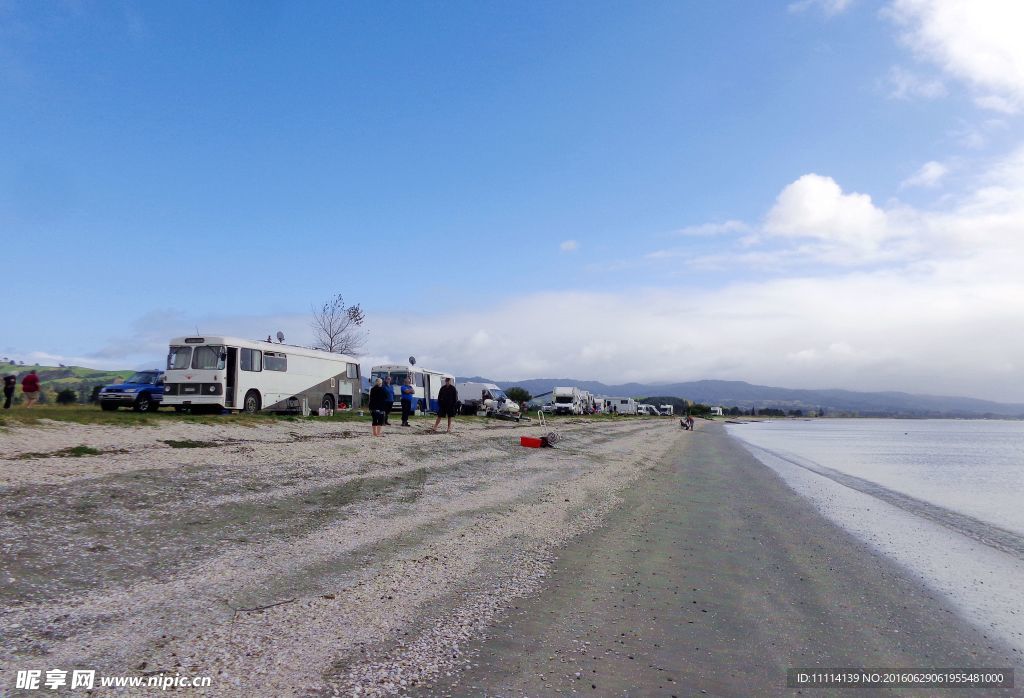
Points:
829	7
569	246
713	229
906	85
929	176
976	41
816	208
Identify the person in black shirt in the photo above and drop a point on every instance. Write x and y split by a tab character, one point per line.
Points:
378	404
10	383
447	399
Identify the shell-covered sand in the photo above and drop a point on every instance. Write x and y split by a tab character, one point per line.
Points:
290	558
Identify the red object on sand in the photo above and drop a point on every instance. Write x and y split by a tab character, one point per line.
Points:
531	441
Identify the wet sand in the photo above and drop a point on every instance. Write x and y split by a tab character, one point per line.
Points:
713	578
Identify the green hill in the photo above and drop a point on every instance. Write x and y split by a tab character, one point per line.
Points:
53	379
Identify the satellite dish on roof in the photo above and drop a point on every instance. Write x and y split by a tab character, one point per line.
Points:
280	337
412	360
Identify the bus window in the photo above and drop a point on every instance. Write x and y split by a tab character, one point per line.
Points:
352	370
251	360
273	361
419	380
210	356
178	358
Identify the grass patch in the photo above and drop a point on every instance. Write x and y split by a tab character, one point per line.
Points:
190	443
70	452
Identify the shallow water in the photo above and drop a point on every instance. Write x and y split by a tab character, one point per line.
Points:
940	497
974	468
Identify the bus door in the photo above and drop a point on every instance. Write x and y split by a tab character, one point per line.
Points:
426	392
231	377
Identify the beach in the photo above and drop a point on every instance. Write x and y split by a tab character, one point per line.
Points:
714	578
305	558
290	557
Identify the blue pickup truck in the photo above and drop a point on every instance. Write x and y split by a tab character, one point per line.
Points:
142	392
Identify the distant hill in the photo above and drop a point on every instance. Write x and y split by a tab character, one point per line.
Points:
53	379
746	395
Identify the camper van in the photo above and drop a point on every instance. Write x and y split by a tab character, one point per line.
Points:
667	410
218	372
567	400
587	401
485	397
426	382
620	405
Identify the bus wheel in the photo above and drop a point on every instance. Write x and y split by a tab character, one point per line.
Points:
251	405
328	402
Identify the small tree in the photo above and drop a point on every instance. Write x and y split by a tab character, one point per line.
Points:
67	396
336	327
519	394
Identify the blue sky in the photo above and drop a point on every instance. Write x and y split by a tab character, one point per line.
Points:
825	193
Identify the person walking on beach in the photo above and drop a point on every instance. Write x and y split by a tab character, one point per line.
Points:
378	402
390	391
30	388
10	383
408	401
447	397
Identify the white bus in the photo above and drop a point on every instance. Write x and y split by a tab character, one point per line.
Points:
241	374
426	382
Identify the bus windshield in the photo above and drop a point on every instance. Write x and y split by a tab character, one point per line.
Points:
179	358
210	356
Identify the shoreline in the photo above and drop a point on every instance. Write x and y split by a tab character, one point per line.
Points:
714	577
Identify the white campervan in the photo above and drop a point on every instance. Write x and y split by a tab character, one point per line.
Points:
485	397
620	405
241	374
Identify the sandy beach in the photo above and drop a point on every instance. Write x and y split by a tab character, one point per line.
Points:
290	558
305	558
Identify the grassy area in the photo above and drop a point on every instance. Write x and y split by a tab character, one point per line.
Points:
190	443
70	452
92	414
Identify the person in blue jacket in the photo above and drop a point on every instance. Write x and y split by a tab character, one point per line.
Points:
408	401
389	390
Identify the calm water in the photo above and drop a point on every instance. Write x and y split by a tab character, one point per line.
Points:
974	468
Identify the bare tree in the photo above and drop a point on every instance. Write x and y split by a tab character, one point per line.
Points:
336	327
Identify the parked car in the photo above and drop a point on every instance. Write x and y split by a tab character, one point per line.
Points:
142	392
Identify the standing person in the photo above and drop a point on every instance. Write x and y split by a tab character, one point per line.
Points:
447	397
10	383
390	391
30	388
408	401
378	401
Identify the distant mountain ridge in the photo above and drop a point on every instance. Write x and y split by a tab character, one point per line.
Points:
746	395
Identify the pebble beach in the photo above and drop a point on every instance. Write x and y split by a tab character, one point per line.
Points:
291	558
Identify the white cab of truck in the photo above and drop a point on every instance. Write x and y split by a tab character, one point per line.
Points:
567	400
